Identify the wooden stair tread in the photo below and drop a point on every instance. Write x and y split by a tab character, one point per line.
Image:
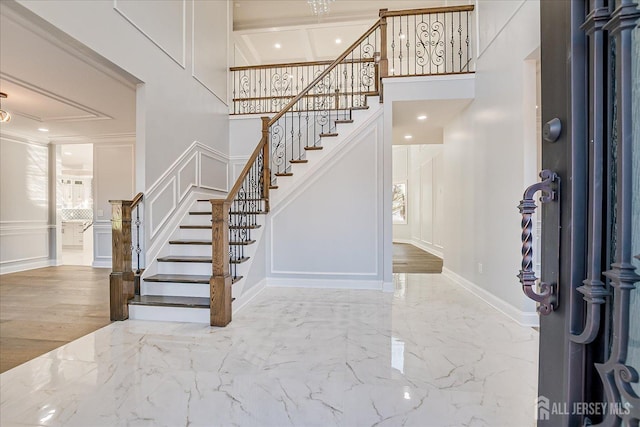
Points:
298	161
364	107
199	213
171	301
189	242
344	121
195	227
284	174
314	147
242	243
236	279
239	260
185	258
326	135
273	187
178	278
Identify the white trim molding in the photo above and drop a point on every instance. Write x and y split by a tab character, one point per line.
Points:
524	318
182	61
281	282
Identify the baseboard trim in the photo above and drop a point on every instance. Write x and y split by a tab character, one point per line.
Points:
523	318
17	266
248	296
101	264
282	282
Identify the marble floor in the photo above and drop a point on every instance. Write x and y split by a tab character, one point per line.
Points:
430	354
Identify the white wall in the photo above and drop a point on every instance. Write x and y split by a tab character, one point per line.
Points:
179	50
329	230
484	158
24	205
113	179
421	166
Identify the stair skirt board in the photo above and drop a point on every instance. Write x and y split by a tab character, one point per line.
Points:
169	314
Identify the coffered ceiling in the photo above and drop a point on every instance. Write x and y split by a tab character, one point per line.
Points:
259	25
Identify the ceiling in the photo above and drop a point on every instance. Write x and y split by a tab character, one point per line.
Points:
50	85
427	131
258	25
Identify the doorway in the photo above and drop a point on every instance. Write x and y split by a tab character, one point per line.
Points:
75	201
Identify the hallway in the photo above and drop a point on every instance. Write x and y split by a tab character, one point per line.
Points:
423	356
411	259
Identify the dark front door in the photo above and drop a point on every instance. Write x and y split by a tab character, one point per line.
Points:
589	304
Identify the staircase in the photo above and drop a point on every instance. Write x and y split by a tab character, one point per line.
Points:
214	247
180	290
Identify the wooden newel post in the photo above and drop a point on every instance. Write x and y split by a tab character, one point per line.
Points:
266	167
220	283
383	64
121	279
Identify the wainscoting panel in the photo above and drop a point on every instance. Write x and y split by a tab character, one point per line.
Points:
25	245
188	176
102	244
214	172
162	205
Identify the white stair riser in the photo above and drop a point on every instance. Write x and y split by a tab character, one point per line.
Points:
175	289
169	314
198	220
195	233
198	268
190	250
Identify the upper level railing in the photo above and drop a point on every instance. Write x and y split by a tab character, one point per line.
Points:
416	42
424	42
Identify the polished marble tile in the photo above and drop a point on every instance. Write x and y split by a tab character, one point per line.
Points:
430	354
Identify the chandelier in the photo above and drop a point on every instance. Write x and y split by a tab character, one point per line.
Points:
5	117
320	7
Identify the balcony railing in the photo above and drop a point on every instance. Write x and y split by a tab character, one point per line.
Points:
416	42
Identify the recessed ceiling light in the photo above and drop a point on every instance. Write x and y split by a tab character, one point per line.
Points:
401	36
43	129
277	45
338	41
422	117
408	136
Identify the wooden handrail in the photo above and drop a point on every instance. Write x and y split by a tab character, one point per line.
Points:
297	64
324	73
137	199
426	11
313	95
248	165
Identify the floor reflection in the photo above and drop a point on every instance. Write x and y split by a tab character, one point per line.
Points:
430	354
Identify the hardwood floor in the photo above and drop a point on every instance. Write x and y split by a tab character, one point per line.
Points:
45	308
410	259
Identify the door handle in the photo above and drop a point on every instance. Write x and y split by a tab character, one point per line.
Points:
546	298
